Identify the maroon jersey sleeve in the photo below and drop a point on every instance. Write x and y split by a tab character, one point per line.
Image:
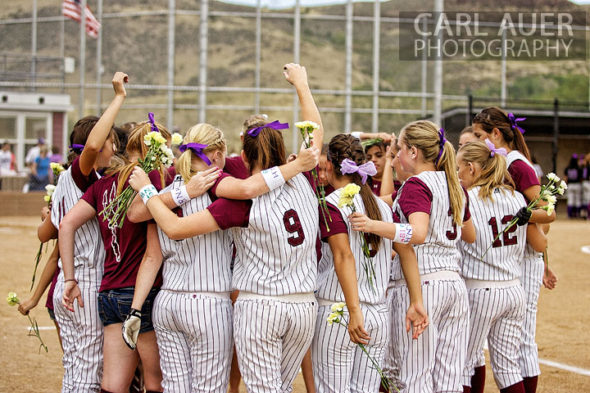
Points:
235	167
213	189
229	213
338	225
90	195
156	179
466	213
82	181
523	175
416	197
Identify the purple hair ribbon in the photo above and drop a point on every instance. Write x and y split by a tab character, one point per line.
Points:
196	148
501	151
367	169
514	122
153	122
76	148
275	125
441	144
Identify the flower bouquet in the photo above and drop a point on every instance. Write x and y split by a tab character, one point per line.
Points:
158	154
554	186
337	316
13	300
347	199
306	129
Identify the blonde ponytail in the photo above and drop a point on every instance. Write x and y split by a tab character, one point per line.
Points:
202	133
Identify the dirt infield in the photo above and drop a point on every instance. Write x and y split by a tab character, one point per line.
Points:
563	333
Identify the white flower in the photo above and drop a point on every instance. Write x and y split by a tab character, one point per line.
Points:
176	139
549	208
551	199
333	317
338	307
50	188
307	125
553	177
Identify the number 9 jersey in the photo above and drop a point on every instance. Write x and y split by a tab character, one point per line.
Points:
503	250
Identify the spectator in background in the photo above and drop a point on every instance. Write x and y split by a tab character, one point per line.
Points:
56	155
34	152
586	186
538	169
40	171
466	136
7	160
574	187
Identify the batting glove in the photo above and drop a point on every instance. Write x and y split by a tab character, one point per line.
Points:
131	328
523	215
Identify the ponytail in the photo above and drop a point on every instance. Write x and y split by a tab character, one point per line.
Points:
448	164
205	134
344	146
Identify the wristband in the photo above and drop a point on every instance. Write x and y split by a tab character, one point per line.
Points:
71	279
403	233
356	134
180	195
147	192
273	177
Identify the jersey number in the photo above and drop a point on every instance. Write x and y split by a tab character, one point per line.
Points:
507	239
293	225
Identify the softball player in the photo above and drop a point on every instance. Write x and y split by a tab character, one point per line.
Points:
275	312
504	132
434	215
339	364
80	327
586	186
491	265
124	249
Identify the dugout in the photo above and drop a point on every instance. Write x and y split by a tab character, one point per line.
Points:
552	134
26	117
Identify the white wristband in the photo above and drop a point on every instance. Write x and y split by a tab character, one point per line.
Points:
180	195
403	233
273	177
147	192
356	134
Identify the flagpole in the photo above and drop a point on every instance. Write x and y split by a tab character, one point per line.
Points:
99	61
82	58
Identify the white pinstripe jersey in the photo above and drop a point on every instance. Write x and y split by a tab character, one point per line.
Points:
502	256
276	253
515	155
439	251
88	248
328	286
200	263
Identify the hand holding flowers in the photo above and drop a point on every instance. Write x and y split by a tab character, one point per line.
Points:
12	300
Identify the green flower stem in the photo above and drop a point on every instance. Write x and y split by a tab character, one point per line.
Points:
368	261
37	260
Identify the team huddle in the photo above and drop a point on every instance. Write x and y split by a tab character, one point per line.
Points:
418	254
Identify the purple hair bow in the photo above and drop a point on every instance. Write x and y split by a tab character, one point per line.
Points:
514	122
275	125
501	151
367	169
153	122
76	148
196	148
441	143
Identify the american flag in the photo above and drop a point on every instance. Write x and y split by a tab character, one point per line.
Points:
73	9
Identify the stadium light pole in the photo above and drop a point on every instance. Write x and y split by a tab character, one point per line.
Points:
438	69
171	44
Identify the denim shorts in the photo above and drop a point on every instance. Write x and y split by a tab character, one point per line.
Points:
114	306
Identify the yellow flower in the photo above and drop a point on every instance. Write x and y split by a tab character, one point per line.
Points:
154	137
307	125
334	317
47	198
12	299
338	307
348	194
56	167
176	139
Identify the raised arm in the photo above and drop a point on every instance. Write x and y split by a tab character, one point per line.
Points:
297	76
74	219
103	127
344	265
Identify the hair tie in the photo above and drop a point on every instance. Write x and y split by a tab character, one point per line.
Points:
275	125
367	169
501	151
441	144
514	122
153	122
196	148
76	148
